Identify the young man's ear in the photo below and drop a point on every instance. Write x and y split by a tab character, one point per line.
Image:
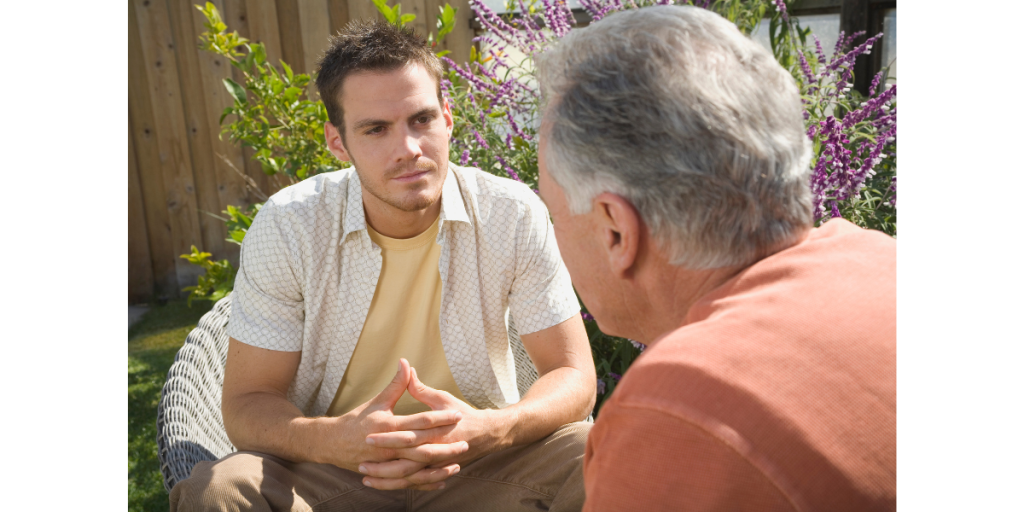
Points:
334	143
620	227
449	120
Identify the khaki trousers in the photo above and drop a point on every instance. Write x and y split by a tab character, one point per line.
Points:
545	475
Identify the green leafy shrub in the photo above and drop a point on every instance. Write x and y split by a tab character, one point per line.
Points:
218	281
272	111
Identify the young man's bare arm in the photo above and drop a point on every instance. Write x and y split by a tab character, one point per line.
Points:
258	417
567	387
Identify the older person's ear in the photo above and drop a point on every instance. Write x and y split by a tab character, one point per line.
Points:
620	228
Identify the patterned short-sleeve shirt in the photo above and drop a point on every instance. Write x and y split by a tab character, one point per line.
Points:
309	270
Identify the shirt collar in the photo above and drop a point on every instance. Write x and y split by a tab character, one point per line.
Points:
355	217
453	208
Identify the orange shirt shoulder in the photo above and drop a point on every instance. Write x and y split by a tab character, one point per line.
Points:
778	393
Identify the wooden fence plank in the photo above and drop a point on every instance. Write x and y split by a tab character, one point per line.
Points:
430	6
423	24
236	17
255	28
230	186
460	40
143	125
362	10
200	138
339	14
260	16
314	17
290	28
140	263
160	63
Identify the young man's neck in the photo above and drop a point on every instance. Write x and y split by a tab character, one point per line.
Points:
394	223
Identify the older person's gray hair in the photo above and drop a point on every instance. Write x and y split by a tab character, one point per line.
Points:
692	122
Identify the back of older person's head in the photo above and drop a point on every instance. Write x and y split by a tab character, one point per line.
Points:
676	111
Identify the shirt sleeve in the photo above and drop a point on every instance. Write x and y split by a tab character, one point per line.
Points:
638	458
541	295
267	308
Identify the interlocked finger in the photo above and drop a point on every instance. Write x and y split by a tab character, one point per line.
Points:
426	479
433	453
428	476
399	468
427	419
408	438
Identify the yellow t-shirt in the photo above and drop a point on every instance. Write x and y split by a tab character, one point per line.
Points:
402	322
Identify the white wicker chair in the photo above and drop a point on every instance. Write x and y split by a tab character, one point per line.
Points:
189	427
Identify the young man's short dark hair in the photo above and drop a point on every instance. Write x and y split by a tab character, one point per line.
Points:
369	46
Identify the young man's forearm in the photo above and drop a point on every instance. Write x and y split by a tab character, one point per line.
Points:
563	395
268	423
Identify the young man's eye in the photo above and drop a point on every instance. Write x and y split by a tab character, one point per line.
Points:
423	119
375	130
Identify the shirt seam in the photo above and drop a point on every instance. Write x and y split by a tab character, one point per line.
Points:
720	439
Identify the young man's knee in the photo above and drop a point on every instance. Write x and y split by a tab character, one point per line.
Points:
233	480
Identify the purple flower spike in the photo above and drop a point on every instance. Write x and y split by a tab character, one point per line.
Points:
511	172
480	140
591	7
874	83
853	37
805	67
780	5
557	16
847	60
820	52
495	24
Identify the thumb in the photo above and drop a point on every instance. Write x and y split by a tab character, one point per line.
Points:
393	391
433	398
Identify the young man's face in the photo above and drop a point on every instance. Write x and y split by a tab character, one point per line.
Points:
396	135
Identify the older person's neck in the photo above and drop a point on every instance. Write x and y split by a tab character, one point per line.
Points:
668	293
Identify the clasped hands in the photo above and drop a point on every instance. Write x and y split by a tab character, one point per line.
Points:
421	450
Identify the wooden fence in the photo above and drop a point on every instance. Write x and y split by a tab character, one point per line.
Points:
179	170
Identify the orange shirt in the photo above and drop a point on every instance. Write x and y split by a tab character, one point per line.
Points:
777	393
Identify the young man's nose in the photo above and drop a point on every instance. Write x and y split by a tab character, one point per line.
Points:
409	147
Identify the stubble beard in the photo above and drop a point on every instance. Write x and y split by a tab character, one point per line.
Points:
414	204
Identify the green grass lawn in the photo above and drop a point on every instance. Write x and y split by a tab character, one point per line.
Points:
152	343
